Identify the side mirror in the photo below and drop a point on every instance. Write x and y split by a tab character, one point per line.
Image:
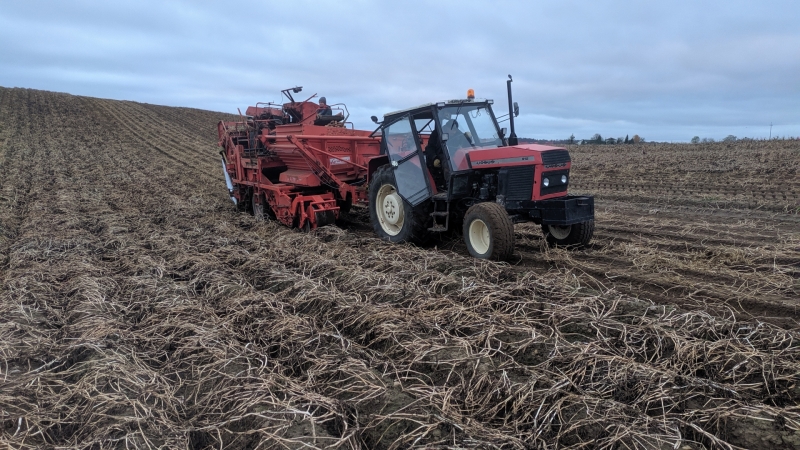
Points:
297	89
503	133
374	119
445	137
516	109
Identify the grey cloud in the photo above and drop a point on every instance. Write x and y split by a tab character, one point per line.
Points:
666	71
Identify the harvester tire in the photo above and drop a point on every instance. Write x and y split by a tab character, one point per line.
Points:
488	232
577	235
245	203
259	209
394	219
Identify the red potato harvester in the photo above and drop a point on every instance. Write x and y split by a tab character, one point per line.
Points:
427	169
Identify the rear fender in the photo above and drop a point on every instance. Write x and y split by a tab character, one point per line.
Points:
374	163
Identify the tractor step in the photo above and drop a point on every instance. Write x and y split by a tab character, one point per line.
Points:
440	200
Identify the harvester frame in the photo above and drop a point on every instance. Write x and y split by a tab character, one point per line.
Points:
297	166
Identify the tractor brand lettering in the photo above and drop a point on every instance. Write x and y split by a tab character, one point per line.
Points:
487	162
550	166
340	160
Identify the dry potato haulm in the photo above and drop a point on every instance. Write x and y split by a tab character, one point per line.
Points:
139	309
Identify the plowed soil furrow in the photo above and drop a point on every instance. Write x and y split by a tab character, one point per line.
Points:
748	175
685	279
342	295
165	141
172	135
143	311
190	121
700	237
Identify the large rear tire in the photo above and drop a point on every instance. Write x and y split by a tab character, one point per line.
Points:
393	219
488	232
577	235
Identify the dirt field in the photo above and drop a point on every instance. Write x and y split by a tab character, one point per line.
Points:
139	310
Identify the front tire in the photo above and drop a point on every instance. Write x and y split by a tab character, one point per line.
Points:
393	219
578	234
488	232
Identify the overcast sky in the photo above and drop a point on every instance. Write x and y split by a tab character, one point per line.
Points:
665	70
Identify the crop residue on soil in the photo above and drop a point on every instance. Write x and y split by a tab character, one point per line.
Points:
140	310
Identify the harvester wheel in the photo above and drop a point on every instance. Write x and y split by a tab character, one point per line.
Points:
259	208
245	204
393	218
489	232
578	234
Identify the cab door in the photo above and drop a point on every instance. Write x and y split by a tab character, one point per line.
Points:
405	156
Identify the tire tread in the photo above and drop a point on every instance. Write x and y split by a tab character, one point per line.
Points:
417	233
579	236
501	229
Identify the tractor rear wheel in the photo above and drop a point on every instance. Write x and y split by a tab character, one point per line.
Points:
578	234
259	207
393	219
488	232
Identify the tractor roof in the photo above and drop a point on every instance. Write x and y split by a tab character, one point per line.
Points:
428	105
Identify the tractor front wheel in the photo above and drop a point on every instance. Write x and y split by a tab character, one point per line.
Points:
578	234
488	232
393	218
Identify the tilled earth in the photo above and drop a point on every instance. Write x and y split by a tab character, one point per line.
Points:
140	310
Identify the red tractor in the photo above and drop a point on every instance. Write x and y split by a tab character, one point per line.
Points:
427	169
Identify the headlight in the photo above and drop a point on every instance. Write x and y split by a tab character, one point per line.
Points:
563	179
546	182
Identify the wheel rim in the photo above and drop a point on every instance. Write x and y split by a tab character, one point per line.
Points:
390	211
559	232
479	236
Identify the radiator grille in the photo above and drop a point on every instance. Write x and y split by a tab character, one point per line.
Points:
520	183
555	158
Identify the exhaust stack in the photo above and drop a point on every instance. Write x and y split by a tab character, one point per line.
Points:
512	138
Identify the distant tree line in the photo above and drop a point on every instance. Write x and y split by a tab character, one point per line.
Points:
597	139
732	138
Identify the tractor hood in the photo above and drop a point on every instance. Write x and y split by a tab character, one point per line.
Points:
518	155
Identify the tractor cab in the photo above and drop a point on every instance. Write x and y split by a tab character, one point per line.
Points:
428	144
